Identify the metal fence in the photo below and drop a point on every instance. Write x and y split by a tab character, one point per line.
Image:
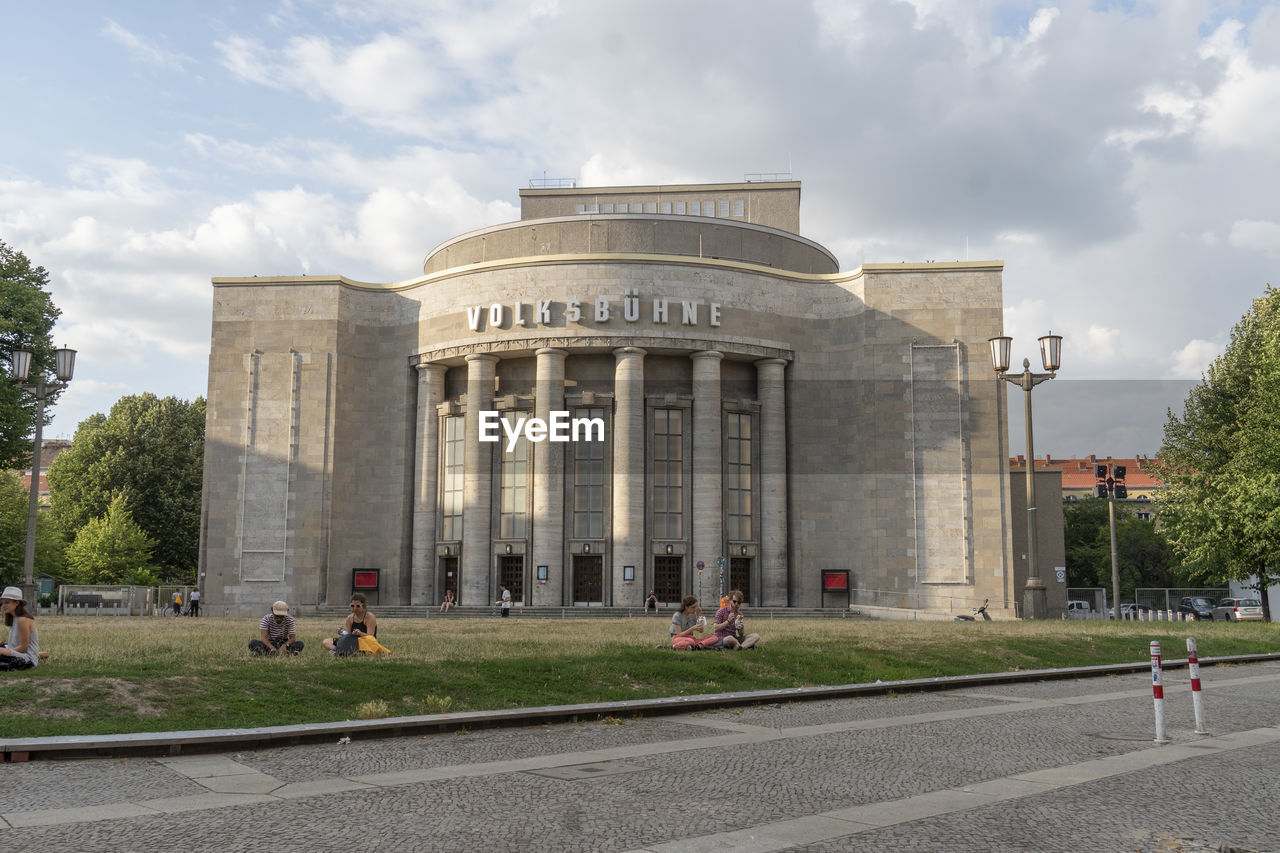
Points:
1167	598
103	600
1094	596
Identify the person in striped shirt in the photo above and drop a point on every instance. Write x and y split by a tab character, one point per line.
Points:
277	633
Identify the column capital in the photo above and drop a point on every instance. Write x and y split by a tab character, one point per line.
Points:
624	351
432	367
768	362
551	351
707	353
482	356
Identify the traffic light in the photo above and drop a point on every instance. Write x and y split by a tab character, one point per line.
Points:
1100	472
1121	491
1100	490
1119	473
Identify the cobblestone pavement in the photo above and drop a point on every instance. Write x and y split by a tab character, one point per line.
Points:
1060	765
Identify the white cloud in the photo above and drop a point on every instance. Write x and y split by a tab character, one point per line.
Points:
143	50
1192	360
1257	235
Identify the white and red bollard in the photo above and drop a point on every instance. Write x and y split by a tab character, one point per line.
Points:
1193	664
1157	692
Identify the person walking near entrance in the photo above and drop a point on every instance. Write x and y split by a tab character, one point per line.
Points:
194	598
504	600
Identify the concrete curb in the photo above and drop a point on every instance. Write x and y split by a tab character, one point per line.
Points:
219	740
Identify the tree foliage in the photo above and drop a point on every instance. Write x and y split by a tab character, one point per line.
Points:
1221	458
110	549
13	535
27	315
1145	558
150	451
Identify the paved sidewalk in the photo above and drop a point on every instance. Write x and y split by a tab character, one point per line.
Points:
1055	765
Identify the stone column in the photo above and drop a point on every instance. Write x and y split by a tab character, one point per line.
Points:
477	486
708	494
628	477
771	393
422	576
548	483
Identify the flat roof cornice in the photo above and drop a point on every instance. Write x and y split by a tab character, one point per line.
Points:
661	188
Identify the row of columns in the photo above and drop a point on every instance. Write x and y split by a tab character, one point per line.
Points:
628	479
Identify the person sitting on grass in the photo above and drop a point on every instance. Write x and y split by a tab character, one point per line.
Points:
360	623
687	622
277	632
728	624
22	651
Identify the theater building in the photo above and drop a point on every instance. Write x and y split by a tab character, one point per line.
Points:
729	397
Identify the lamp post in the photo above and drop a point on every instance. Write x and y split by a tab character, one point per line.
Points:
41	388
1034	601
1111	485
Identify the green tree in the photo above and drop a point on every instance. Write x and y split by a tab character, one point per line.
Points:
150	451
13	535
111	548
1144	556
27	315
1220	461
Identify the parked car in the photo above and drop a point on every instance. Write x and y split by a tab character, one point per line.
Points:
1079	609
1197	607
1238	610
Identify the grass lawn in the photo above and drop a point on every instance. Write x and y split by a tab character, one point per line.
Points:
108	675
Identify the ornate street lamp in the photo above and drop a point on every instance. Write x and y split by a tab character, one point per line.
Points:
41	388
1034	601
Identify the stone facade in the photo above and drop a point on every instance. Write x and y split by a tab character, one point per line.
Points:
758	405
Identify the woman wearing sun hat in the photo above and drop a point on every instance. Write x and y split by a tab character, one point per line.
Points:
22	651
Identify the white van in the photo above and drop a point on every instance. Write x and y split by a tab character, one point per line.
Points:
1077	609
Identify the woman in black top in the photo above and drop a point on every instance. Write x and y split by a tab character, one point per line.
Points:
360	622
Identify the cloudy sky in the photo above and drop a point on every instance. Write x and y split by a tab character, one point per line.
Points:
1120	157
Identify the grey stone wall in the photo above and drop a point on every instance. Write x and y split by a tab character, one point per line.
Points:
893	433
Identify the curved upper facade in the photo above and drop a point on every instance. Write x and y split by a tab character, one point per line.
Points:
635	233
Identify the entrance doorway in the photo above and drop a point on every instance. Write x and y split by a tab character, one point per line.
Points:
511	575
588	579
449	569
740	576
666	578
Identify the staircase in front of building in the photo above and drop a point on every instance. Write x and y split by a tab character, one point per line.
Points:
402	611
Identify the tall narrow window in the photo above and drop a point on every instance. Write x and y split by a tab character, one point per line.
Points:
668	473
588	483
681	207
514	516
723	207
738	208
737	475
451	478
